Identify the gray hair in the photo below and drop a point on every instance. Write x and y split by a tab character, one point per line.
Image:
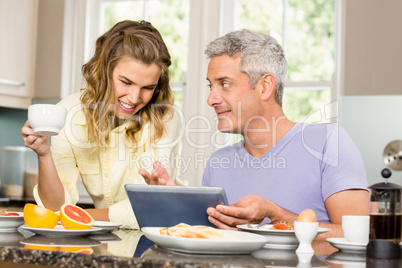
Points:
259	53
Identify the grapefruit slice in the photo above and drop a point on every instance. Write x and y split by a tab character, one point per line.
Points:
40	217
75	218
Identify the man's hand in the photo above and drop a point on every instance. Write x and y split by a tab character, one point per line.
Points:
159	175
249	209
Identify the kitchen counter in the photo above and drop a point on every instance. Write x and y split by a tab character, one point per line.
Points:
121	248
129	248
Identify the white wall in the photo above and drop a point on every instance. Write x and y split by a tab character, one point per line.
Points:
373	122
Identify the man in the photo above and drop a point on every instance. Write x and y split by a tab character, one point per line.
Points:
281	167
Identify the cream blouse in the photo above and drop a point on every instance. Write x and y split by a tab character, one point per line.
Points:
105	171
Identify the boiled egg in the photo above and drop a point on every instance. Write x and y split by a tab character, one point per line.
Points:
307	215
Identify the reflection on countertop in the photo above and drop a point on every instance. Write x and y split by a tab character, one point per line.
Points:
127	248
123	248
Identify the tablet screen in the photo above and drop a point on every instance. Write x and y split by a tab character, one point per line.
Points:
163	206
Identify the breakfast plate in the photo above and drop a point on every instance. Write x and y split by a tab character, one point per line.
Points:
279	239
106	226
60	231
11	223
345	246
236	242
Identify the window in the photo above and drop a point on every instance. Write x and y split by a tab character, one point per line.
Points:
306	30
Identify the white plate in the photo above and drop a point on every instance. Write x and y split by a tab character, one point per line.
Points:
238	243
345	246
281	239
11	223
60	231
106	226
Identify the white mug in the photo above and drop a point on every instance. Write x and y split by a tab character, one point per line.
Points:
46	119
356	228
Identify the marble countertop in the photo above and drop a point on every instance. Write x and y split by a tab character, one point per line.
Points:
130	248
120	248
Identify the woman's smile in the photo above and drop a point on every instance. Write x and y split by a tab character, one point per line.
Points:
126	107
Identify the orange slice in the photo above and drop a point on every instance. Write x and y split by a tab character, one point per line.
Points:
82	250
75	218
37	247
40	217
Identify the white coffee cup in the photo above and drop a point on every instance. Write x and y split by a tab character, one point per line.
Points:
356	228
46	119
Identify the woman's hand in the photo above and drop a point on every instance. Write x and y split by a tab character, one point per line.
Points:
50	188
39	144
159	175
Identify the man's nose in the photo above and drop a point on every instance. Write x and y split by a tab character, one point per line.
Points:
213	98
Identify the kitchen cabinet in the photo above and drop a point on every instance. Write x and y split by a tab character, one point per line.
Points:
372	47
49	51
18	21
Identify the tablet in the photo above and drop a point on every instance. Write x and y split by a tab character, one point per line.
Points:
163	206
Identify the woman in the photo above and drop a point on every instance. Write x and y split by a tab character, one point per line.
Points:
120	123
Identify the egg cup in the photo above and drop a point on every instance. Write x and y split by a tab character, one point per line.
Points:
304	260
305	232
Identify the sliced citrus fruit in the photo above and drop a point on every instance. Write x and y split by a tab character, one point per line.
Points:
75	218
82	250
29	246
40	217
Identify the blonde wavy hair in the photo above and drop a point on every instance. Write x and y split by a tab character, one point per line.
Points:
138	40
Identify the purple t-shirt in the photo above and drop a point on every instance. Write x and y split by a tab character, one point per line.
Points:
309	164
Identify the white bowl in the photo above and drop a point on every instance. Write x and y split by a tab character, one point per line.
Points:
10	223
46	119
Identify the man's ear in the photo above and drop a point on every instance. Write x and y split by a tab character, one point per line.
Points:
267	86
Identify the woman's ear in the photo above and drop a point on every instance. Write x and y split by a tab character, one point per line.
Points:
267	86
